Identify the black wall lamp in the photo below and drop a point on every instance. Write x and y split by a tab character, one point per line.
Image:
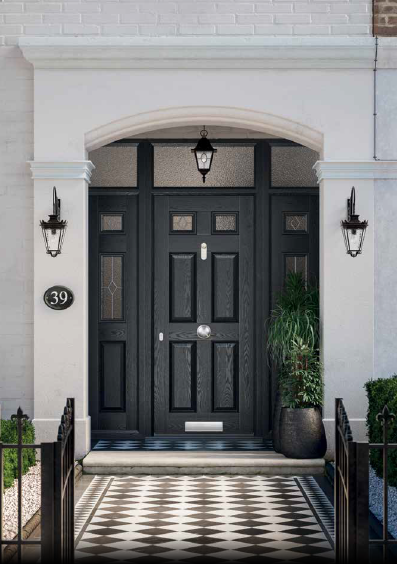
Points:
54	229
204	153
352	228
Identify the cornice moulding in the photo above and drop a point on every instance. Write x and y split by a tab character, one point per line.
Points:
339	170
208	53
72	170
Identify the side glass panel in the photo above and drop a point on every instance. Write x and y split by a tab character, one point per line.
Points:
175	166
296	263
112	222
115	166
292	167
295	223
112	305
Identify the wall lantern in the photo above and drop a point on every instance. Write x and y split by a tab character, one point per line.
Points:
353	229
54	229
204	153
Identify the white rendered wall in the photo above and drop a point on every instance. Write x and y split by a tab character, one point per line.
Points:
16	233
183	18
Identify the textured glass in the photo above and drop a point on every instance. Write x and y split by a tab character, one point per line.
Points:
115	166
112	222
296	264
296	222
226	222
182	222
111	287
293	167
175	166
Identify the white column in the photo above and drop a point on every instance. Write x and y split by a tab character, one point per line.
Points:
61	337
347	292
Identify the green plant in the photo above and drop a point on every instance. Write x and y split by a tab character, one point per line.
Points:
381	392
301	378
294	317
9	435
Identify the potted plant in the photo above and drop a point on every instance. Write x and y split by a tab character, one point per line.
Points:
295	316
302	433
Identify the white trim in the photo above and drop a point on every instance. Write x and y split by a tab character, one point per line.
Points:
62	170
369	170
204	52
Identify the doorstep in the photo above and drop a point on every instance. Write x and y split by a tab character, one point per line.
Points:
225	462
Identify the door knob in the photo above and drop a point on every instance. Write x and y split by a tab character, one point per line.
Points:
204	332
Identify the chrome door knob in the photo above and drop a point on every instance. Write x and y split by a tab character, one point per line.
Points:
204	332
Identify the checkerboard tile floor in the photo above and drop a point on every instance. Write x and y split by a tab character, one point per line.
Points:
213	444
203	519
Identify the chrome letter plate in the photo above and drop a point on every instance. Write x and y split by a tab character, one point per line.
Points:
204	426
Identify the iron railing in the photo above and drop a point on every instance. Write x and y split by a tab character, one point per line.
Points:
351	490
57	494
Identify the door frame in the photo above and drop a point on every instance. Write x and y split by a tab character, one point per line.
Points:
146	193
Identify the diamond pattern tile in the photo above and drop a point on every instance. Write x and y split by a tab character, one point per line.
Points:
171	444
250	519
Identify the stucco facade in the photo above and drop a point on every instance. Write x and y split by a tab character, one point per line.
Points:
64	94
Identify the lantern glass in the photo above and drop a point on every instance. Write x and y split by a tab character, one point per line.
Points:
54	234
354	236
204	153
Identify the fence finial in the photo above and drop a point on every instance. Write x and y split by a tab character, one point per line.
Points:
386	416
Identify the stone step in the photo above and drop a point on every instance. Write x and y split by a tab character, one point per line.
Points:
199	462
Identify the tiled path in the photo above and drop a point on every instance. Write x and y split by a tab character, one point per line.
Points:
200	519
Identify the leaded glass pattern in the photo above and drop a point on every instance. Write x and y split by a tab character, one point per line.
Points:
226	223
182	222
295	223
111	222
293	167
115	166
111	287
296	263
175	166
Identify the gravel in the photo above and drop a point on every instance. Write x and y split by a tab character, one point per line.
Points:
31	498
376	501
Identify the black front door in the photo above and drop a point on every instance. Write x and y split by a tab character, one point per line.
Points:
204	314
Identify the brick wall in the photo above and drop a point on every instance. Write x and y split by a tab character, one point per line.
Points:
385	18
183	17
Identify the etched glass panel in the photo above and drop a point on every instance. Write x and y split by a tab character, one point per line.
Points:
111	222
111	287
182	222
226	223
296	223
115	166
175	166
296	264
293	167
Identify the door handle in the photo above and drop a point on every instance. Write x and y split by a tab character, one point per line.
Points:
204	332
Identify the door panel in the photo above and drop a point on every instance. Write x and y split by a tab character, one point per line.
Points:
203	379
113	320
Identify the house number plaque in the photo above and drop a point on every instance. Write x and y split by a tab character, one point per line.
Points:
58	297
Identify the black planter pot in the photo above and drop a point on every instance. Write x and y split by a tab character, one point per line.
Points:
278	405
302	433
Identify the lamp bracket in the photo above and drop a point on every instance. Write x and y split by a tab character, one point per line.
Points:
351	204
56	204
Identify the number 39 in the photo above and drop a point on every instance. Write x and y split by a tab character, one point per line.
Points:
56	298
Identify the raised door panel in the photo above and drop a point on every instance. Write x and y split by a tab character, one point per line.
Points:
225	376
225	286
183	286
112	380
182	376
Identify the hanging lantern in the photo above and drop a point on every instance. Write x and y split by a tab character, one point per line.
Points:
54	229
353	229
204	153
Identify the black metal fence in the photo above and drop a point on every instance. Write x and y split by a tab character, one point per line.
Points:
351	487
56	542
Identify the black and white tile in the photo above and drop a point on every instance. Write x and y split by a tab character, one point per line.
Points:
88	502
200	519
184	444
320	505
